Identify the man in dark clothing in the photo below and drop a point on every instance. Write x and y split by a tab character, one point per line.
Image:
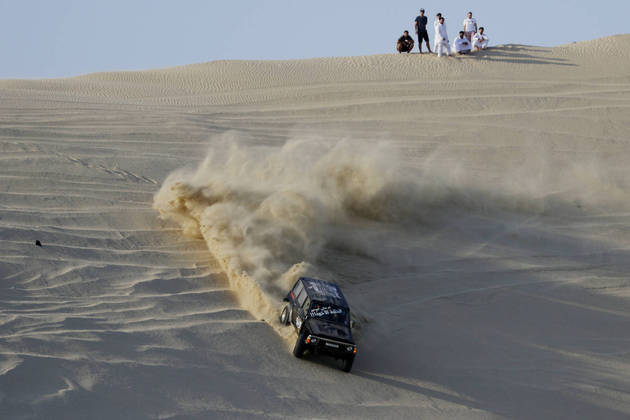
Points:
421	30
405	43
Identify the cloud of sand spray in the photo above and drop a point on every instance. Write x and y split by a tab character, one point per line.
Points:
266	212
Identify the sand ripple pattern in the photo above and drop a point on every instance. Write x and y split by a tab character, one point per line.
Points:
475	210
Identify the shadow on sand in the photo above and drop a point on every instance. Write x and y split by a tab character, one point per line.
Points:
520	54
512	54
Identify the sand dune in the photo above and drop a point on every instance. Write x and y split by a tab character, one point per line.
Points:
474	209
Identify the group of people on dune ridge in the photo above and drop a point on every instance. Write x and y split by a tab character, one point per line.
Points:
471	37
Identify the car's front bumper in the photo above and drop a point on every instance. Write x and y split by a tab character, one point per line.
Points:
330	346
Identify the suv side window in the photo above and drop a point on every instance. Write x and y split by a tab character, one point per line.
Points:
300	298
297	289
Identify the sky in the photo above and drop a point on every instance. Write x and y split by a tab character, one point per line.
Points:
61	38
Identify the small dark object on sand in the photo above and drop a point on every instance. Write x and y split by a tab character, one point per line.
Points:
38	243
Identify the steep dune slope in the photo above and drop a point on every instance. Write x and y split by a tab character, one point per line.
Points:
475	210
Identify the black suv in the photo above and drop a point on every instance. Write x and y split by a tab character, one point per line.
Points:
320	314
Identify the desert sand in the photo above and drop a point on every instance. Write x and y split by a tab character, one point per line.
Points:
475	211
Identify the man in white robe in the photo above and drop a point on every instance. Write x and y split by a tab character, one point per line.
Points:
441	39
461	44
480	40
435	29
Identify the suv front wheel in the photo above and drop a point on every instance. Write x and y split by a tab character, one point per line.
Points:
347	364
299	348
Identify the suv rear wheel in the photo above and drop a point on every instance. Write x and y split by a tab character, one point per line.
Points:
285	315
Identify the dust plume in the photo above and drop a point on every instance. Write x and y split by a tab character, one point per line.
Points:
266	212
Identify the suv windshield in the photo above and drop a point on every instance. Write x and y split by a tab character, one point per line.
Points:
329	313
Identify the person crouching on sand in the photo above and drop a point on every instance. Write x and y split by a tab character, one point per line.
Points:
405	43
421	31
441	38
461	44
480	40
